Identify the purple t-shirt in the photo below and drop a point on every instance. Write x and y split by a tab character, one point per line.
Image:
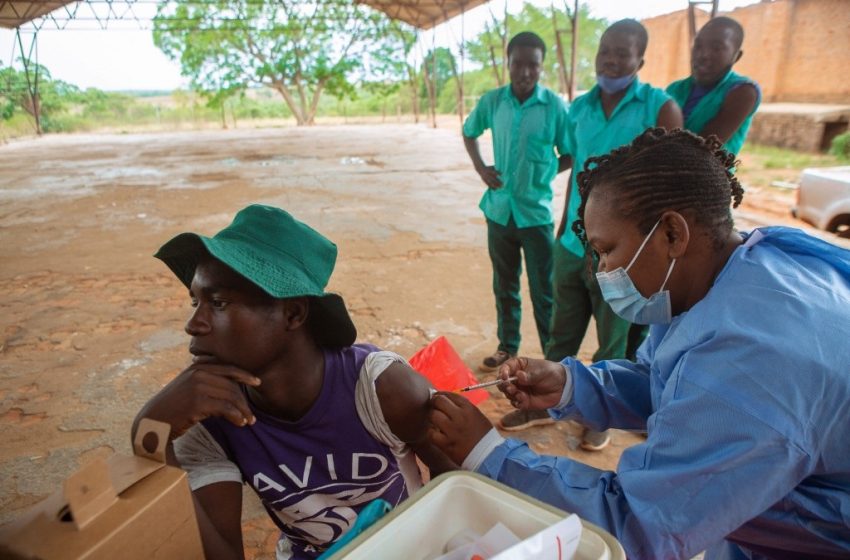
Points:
315	475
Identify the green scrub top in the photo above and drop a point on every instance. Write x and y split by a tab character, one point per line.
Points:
592	134
524	138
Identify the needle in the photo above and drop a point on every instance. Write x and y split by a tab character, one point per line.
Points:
485	384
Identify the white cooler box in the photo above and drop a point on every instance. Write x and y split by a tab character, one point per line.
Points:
420	527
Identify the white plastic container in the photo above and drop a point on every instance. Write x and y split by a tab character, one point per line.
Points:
420	527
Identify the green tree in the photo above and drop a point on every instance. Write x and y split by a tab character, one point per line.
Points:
390	68
444	71
486	49
299	49
99	104
218	97
52	97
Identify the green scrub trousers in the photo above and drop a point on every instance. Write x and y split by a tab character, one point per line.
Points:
577	298
506	245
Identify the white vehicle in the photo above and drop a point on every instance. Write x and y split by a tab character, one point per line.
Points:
823	199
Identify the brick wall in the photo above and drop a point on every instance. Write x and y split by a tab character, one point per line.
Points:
787	130
797	50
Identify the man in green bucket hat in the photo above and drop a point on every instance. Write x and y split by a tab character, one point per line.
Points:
278	396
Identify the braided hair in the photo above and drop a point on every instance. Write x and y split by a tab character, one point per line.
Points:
665	170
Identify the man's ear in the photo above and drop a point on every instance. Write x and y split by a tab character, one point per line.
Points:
295	312
642	60
738	56
676	233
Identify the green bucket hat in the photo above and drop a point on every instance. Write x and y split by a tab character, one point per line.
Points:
284	257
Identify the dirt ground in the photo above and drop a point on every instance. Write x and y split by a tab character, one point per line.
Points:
92	325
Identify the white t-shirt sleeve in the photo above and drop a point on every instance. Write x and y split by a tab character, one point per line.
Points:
370	413
203	459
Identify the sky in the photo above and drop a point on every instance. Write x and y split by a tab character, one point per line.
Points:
123	56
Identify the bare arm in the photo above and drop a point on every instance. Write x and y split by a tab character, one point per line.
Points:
487	173
736	107
564	163
218	508
670	116
218	511
405	400
563	225
198	392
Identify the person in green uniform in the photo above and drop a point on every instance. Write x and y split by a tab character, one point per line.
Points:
613	113
714	99
528	122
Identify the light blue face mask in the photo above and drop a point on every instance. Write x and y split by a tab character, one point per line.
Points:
625	299
613	85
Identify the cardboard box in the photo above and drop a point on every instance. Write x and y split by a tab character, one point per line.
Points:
131	508
420	527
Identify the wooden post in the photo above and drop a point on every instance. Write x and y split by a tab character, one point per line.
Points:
460	107
414	94
500	70
430	90
505	45
432	82
559	50
574	27
413	79
458	74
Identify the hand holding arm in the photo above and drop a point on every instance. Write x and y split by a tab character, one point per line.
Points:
404	395
456	425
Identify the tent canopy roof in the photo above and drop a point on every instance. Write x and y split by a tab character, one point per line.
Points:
423	14
14	14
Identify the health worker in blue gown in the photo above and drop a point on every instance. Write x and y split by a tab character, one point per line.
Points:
743	385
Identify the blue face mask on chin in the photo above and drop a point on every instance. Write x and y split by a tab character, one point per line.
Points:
614	85
625	299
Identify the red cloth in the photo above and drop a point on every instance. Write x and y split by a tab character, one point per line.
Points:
445	370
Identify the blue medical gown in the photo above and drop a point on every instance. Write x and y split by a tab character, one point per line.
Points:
746	401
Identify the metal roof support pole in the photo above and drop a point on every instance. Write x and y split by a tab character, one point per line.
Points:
32	84
692	18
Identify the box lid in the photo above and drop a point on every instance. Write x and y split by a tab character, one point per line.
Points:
91	492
